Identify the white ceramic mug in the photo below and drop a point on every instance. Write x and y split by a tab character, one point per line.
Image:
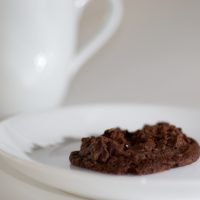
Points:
37	51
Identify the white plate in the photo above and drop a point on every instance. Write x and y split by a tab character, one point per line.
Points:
20	134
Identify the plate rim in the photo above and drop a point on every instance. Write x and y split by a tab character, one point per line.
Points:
36	164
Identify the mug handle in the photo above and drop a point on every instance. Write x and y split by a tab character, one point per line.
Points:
101	38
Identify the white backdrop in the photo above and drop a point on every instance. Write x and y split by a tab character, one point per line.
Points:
154	57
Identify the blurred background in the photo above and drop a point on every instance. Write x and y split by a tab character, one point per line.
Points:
153	58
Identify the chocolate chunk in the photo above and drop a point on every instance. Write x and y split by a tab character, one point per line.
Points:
149	150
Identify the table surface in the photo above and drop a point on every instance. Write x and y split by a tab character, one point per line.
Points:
153	58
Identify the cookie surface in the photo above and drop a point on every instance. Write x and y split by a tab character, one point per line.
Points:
152	149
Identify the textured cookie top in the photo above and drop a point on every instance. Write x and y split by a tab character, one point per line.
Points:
152	149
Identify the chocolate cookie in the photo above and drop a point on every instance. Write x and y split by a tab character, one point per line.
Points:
152	149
